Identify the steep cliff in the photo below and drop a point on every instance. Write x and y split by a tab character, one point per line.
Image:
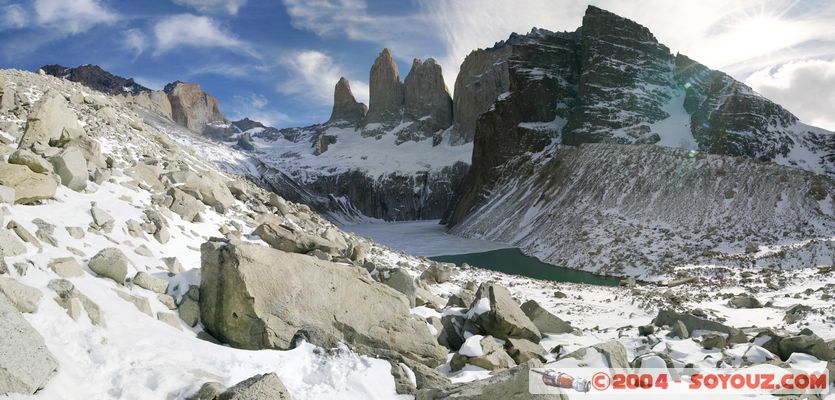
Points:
345	106
197	110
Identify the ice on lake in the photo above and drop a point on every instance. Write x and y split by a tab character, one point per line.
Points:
422	238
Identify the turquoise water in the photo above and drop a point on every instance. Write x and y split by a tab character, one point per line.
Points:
513	261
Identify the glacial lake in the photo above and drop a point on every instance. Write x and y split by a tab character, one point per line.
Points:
429	238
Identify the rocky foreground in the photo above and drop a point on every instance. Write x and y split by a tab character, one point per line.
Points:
135	266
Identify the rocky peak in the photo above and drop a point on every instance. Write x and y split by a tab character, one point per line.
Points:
96	78
426	95
601	23
386	90
197	110
345	106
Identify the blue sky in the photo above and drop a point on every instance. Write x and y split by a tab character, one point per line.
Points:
277	61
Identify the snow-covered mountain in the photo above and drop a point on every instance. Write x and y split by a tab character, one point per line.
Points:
137	262
750	175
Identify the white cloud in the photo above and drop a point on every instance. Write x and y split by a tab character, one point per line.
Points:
314	75
254	107
229	6
134	41
73	16
406	35
194	31
13	17
806	88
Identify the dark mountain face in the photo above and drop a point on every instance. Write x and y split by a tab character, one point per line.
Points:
96	78
610	81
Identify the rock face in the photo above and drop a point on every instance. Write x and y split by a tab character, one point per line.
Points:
25	362
345	106
196	110
483	76
426	95
609	81
94	77
385	90
251	298
155	101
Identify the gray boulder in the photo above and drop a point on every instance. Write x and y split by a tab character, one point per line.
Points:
207	187
544	320
69	297
504	319
807	344
102	220
744	301
259	387
494	357
522	350
438	272
680	330
29	186
71	167
694	323
110	263
189	307
209	391
400	280
23	233
50	122
24	298
184	205
141	303
25	362
714	341
150	282
294	241
35	162
10	245
256	297
613	350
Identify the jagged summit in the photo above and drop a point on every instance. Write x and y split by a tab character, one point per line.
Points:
345	106
385	98
97	78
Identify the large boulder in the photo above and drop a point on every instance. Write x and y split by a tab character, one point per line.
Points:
291	240
400	280
544	320
206	187
51	122
694	323
495	312
482	352
29	186
807	344
110	263
255	297
10	245
614	351
184	205
25	362
25	298
71	166
744	301
34	161
259	387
